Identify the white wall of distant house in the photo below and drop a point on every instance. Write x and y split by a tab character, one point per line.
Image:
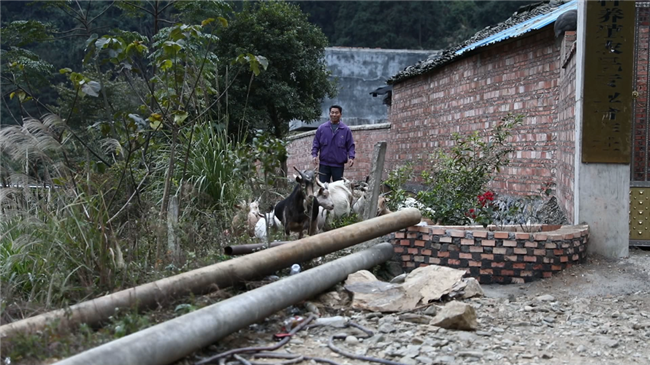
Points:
360	71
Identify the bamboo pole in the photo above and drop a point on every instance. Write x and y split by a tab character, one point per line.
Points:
220	275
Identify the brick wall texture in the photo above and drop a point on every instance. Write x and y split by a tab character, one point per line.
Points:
534	76
492	257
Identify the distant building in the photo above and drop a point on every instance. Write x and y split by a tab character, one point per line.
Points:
359	72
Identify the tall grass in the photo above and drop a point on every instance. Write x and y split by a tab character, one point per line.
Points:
220	167
55	244
68	233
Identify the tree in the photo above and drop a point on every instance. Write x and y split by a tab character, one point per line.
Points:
296	80
405	24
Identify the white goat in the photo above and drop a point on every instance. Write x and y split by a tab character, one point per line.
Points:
341	196
260	227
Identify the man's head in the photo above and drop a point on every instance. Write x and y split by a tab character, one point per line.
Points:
335	113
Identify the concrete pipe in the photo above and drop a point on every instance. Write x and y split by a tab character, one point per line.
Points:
220	275
179	337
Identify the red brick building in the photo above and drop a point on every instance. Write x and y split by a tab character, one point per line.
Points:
518	67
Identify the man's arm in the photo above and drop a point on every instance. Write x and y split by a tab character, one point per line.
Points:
315	147
349	145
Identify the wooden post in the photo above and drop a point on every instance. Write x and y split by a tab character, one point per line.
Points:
172	223
376	169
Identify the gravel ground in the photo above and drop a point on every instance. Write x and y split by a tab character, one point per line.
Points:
595	313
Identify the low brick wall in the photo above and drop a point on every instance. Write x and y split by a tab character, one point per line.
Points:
504	257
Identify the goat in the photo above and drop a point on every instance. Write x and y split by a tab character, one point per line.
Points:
322	200
382	207
319	208
260	227
248	212
359	206
292	211
341	194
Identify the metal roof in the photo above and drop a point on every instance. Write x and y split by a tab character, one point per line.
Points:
531	24
533	18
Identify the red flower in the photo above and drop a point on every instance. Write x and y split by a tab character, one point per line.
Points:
485	197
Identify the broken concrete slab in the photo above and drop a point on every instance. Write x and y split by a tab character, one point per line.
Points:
420	287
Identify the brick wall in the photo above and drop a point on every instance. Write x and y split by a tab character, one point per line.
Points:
502	257
365	137
565	126
474	93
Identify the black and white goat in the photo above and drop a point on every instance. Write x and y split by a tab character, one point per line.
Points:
299	211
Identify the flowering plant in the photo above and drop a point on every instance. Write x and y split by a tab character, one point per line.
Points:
486	197
483	213
455	179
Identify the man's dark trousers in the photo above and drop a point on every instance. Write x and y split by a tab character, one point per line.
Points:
326	172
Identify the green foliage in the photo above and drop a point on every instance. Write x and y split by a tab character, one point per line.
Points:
345	220
455	179
420	24
124	324
297	77
396	180
185	308
21	33
218	166
270	152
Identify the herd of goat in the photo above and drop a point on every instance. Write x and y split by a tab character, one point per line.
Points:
312	206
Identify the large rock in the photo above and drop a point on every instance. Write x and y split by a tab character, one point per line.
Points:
432	282
472	289
456	316
361	276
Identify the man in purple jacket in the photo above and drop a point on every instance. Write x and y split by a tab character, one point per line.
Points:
336	146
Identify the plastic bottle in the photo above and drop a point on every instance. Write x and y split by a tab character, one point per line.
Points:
338	321
295	269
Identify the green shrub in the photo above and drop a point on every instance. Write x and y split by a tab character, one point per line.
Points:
455	179
345	220
218	166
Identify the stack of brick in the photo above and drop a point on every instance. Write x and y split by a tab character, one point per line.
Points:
492	257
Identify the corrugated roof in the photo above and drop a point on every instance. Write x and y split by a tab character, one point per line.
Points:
520	23
531	24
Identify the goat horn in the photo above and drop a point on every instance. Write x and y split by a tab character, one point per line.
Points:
300	172
319	183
